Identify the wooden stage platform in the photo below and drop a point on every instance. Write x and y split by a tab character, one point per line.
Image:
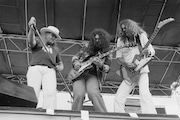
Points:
22	113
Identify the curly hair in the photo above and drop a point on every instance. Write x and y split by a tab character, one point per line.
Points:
131	27
102	45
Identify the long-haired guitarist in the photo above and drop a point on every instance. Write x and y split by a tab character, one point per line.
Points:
130	33
89	81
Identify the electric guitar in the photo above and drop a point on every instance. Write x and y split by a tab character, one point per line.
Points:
73	74
140	60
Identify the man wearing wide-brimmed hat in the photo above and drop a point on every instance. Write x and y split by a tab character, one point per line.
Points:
41	69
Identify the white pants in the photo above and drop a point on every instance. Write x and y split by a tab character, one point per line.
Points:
124	89
42	75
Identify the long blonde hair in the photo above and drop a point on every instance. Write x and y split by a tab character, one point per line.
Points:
132	28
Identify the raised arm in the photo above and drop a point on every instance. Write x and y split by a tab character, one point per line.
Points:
31	34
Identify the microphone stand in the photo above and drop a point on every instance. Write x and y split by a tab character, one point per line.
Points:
44	45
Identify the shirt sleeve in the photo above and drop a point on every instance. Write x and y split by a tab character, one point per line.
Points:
58	57
119	52
144	40
37	45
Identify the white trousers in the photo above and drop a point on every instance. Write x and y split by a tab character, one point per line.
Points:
42	75
124	89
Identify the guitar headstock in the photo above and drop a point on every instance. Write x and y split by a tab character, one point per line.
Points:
162	23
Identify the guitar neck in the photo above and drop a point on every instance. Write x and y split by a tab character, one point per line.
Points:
152	37
106	54
111	51
157	28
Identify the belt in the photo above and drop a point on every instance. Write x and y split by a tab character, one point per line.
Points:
42	65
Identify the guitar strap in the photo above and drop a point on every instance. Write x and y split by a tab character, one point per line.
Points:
138	41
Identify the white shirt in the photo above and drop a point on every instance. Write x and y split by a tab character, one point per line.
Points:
127	54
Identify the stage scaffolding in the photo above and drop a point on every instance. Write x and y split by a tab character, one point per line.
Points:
17	44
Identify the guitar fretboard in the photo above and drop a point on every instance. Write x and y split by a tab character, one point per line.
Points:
157	28
111	51
107	53
152	37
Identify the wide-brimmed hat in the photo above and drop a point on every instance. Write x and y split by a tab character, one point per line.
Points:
51	29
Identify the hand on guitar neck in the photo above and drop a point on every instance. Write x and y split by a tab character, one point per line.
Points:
80	67
77	65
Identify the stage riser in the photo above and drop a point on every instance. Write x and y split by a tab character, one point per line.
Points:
26	116
44	117
31	117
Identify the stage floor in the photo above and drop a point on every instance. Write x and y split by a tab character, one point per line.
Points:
22	113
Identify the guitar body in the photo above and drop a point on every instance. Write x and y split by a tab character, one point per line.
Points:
141	61
74	74
130	75
86	65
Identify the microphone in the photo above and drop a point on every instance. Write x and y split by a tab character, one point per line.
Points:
33	26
